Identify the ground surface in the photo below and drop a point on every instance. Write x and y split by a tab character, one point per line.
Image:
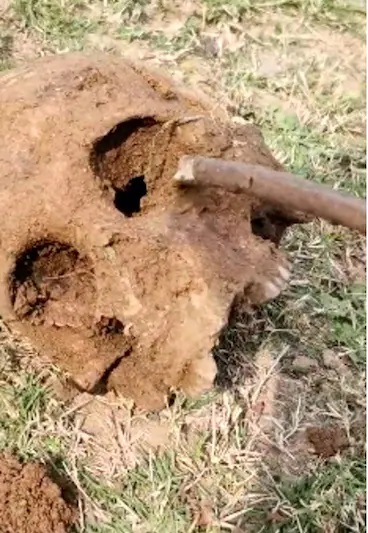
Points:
30	501
279	446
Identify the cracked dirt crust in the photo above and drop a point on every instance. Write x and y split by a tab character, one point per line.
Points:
120	278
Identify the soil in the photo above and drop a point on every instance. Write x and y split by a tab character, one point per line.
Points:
50	281
122	279
30	502
327	441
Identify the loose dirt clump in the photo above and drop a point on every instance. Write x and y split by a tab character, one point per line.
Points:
327	441
112	272
30	502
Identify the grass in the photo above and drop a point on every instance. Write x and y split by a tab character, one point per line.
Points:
234	460
61	23
336	493
6	45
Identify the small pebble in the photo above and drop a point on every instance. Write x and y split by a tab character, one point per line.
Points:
304	364
330	359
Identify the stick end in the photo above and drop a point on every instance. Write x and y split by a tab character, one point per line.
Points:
184	175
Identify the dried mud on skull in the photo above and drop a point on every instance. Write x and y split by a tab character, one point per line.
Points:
30	502
121	279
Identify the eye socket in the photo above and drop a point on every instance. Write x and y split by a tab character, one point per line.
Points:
47	275
261	227
120	160
128	199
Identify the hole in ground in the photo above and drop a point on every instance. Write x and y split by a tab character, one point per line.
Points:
120	159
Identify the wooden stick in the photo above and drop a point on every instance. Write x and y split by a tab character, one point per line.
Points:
281	189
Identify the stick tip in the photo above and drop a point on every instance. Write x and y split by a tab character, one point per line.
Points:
184	175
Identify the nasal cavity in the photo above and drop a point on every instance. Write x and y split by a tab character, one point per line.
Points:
127	199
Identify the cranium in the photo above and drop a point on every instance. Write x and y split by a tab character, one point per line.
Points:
120	278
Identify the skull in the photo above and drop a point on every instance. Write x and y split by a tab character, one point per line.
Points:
118	277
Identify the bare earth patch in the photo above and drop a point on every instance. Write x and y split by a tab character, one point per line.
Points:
29	501
327	441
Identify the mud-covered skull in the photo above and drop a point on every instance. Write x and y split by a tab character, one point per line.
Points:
119	277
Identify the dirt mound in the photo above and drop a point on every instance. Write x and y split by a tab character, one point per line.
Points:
327	441
29	501
110	270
